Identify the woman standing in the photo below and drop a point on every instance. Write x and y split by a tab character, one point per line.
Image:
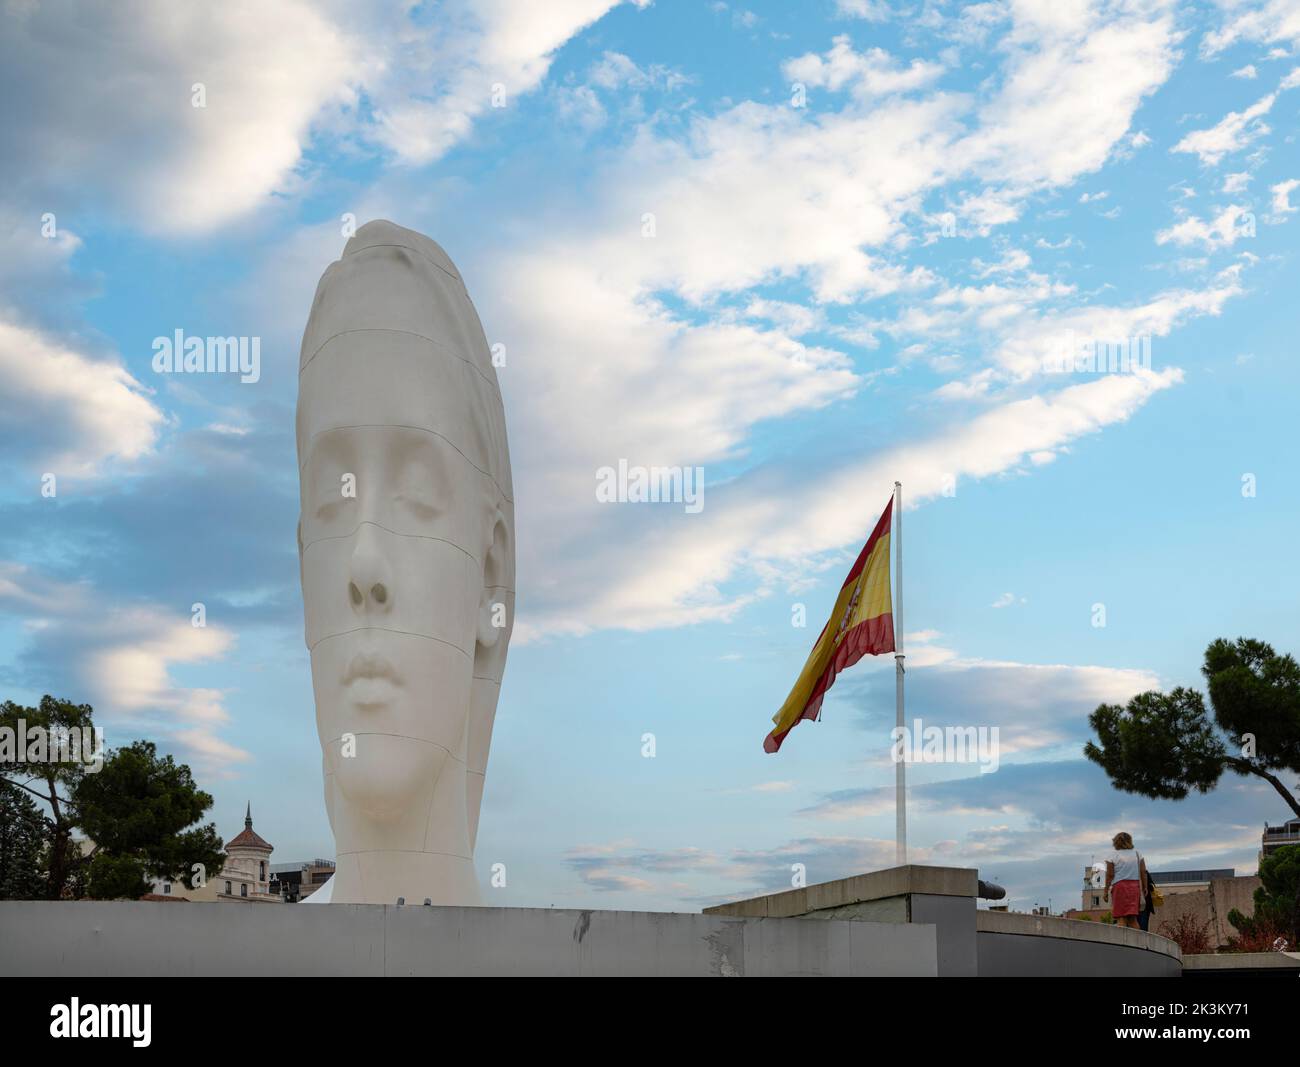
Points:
1126	870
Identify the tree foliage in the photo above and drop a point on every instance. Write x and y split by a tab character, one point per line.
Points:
1167	745
51	781
1277	902
138	809
116	878
22	847
140	813
1191	935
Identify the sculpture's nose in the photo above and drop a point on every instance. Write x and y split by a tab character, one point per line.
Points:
370	588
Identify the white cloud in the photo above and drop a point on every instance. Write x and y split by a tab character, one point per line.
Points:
1013	261
1235	183
435	84
1075	76
1268	23
114	127
132	670
682	393
871	10
100	104
973	23
867	74
1039	709
1222	231
1230	134
766	526
580	105
1235	130
1026	340
120	658
859	172
584	105
616	71
64	412
789	317
1282	198
33	262
1248	72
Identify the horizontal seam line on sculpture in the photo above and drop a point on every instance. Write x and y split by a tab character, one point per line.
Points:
496	388
405	737
410	248
379	525
404	426
424	537
388	630
411	851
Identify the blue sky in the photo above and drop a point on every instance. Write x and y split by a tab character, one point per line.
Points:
872	223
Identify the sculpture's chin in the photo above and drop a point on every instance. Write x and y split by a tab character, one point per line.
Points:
388	776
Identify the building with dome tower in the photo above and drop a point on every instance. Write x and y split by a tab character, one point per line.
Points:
244	879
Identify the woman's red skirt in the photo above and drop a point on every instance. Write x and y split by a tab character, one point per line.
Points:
1124	897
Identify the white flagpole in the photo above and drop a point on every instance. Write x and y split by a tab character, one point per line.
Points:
900	768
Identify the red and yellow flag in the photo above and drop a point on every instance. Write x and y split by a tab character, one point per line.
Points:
862	624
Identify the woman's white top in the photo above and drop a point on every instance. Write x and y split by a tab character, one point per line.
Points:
1127	863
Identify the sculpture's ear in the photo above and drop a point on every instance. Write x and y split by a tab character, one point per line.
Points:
327	780
302	584
496	602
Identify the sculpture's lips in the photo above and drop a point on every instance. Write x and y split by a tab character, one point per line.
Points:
370	665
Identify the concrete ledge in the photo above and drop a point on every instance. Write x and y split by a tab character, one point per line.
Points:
1040	946
140	938
1262	962
1002	922
904	881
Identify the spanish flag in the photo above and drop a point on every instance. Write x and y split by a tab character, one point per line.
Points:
862	624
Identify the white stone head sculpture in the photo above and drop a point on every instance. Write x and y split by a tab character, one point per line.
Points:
406	541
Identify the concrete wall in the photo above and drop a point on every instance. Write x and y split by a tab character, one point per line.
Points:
1211	906
1243	965
954	918
1017	956
121	938
971	942
905	921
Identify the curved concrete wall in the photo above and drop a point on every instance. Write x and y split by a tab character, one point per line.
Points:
1034	946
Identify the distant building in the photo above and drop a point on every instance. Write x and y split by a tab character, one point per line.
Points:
1173	882
1206	895
1275	837
1168	882
295	882
247	870
245	878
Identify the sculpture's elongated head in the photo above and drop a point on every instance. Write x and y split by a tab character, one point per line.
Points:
406	531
